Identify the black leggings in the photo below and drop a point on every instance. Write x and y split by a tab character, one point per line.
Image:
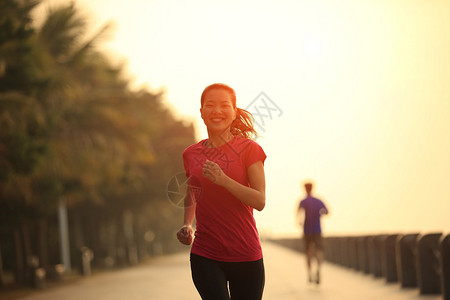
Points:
245	279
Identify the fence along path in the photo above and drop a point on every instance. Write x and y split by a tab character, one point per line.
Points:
168	278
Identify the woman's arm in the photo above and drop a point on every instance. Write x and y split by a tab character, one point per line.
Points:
254	196
189	206
184	235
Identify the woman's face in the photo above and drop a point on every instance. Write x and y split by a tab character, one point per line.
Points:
217	111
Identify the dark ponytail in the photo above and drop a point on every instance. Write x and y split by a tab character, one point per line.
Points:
243	125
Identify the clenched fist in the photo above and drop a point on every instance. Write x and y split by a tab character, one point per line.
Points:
185	235
213	172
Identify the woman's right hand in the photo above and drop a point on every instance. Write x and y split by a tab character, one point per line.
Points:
185	234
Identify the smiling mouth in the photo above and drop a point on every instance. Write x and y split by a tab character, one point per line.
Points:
217	119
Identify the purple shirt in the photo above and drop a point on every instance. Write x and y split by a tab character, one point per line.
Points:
312	207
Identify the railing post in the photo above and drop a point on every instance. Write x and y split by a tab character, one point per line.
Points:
406	260
363	256
342	249
388	259
428	276
375	243
444	248
329	249
346	251
353	253
335	254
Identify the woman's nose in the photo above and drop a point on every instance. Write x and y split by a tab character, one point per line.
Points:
216	108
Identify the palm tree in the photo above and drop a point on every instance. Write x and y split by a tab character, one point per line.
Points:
84	137
18	71
22	121
99	146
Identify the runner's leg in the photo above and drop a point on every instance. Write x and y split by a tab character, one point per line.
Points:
319	256
246	279
309	254
209	278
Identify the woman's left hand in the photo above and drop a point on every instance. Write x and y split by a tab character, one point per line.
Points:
213	172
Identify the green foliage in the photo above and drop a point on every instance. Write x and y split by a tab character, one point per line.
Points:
18	70
70	126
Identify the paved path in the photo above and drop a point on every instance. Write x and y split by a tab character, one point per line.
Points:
168	278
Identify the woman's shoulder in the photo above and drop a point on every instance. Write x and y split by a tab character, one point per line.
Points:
194	147
245	142
249	150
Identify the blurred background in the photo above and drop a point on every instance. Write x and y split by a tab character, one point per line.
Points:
98	99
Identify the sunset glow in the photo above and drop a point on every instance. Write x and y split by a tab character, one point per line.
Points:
363	87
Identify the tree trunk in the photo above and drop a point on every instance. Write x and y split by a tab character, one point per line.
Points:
93	233
77	232
19	268
78	238
120	242
64	235
42	243
111	237
27	253
1	266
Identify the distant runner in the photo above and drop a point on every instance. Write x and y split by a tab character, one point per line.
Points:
313	209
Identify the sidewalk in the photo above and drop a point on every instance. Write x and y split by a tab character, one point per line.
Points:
286	279
168	278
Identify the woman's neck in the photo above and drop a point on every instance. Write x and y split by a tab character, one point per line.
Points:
217	140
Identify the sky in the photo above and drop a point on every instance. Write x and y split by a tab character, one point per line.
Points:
353	95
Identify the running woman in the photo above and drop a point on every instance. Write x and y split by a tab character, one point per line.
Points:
226	182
